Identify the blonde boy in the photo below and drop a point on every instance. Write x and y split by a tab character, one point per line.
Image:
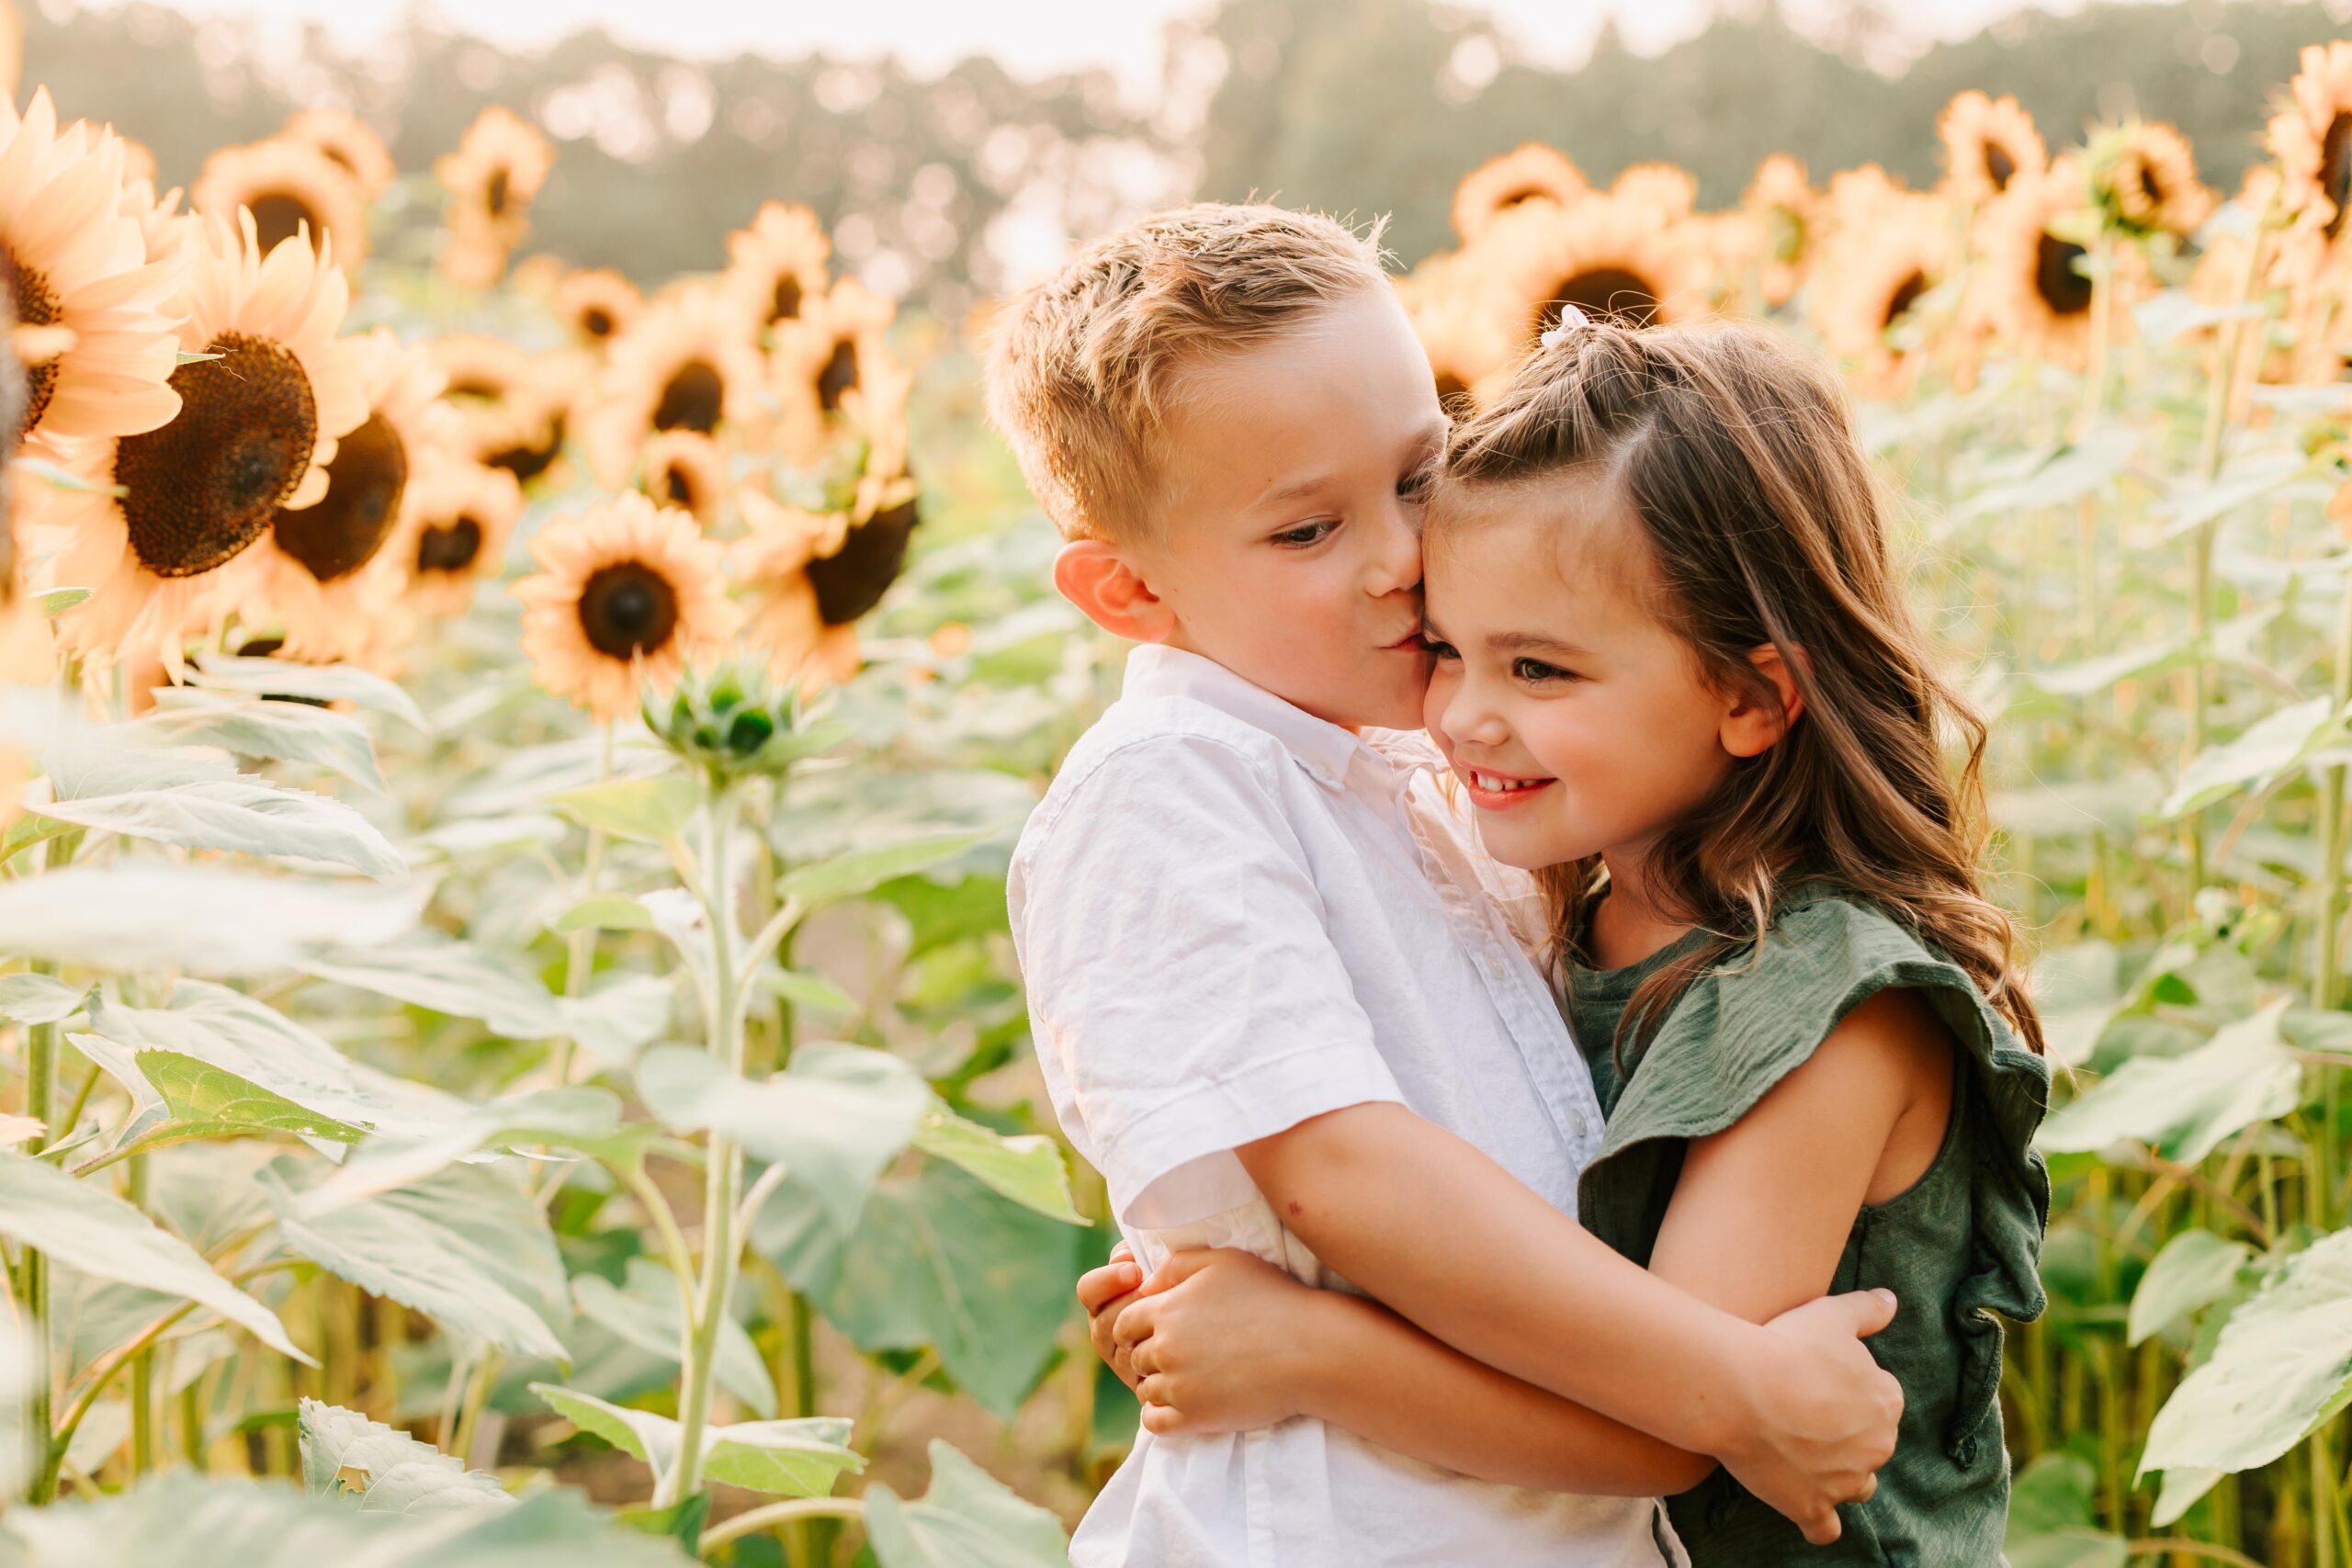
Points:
1275	991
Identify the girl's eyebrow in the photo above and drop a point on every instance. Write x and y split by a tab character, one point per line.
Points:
1533	642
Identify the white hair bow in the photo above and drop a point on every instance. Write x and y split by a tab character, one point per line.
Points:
1570	318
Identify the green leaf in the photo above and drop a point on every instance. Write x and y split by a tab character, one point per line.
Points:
2192	1272
2283	1365
2267	748
2084	1547
324	683
1027	1168
861	871
257	727
647	1313
30	998
204	1101
2243	481
458	978
345	1453
2184	1106
465	1248
580	1118
2089	677
967	1519
805	989
937	1259
184	1520
649	811
58	476
57	601
621	1015
788	1459
605	912
2064	474
84	1228
836	1117
210	807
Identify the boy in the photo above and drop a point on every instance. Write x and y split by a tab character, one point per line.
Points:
1275	991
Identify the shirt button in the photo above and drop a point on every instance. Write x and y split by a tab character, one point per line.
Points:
1491	965
1575	1120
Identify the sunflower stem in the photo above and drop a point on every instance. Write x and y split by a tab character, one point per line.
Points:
32	1271
724	1173
143	1365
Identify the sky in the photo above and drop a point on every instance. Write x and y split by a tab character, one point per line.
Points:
1031	37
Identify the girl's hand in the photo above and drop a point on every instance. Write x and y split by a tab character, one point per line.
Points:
1218	1339
1103	1291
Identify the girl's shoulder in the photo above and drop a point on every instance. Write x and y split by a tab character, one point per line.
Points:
1741	1028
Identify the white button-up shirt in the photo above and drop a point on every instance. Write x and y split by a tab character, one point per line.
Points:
1233	916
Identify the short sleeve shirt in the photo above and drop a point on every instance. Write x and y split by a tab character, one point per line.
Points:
1232	916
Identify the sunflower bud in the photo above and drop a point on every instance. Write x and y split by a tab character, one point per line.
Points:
735	722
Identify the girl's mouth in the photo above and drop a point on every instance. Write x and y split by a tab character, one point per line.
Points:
1499	792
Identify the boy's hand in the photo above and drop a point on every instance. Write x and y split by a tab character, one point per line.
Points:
1213	1336
1103	1291
1828	1413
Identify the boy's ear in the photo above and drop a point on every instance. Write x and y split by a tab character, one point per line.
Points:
1750	727
1093	575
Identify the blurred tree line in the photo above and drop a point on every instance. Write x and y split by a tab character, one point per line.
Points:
943	188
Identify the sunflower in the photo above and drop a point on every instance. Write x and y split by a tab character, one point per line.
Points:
499	167
684	469
598	304
771	560
83	277
1988	143
2312	137
1624	253
837	343
1530	172
778	265
1869	274
514	410
1452	312
321	574
257	430
2143	176
2031	288
349	145
688	363
138	160
455	518
627	591
1786	211
290	187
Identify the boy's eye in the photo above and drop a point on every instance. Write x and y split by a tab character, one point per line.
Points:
1535	669
1305	533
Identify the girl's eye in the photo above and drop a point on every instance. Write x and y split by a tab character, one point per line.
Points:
1439	650
1304	535
1415	486
1535	670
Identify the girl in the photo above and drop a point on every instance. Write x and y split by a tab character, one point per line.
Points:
1674	675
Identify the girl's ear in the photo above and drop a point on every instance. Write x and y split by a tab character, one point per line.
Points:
1093	575
1750	727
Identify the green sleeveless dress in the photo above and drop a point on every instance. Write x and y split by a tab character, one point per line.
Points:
1957	1248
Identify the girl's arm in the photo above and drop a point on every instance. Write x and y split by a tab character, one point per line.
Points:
1756	1224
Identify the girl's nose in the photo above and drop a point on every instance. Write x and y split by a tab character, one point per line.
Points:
1468	718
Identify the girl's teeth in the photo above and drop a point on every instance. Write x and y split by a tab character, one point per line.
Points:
1488	782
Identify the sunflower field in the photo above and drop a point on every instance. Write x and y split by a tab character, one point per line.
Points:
509	1048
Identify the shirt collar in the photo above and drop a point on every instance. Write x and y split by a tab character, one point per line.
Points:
1323	748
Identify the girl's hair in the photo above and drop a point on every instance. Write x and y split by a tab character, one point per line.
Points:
1734	456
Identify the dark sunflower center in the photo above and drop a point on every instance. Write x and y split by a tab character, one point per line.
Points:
681	488
839	377
528	462
495	194
204	487
2336	170
476	386
339	158
2066	291
853	581
692	399
626	609
1905	295
1999	167
1784	231
596	322
2150	186
1520	198
1452	391
783	302
37	306
277	216
448	547
341	532
1603	291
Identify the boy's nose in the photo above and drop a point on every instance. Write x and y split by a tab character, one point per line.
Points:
1396	563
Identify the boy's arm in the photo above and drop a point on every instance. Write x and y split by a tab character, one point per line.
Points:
1797	1411
1227	1342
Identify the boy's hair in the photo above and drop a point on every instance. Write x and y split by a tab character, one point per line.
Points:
1733	458
1080	372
